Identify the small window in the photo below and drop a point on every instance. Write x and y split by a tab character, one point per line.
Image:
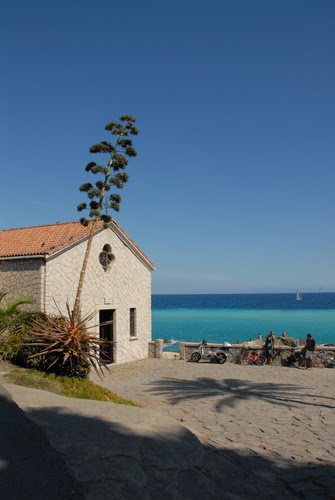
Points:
132	321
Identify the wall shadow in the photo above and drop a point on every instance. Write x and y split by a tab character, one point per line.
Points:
109	460
29	466
58	453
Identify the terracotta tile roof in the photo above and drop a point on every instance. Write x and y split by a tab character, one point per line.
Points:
40	240
50	239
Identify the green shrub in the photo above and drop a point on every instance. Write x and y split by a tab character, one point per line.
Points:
22	350
15	340
20	346
53	344
10	311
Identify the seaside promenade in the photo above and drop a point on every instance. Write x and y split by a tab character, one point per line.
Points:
268	430
203	430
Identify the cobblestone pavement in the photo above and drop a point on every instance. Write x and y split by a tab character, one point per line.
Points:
276	424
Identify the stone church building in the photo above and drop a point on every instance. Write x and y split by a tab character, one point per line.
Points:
44	263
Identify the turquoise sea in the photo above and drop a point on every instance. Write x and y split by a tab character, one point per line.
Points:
232	317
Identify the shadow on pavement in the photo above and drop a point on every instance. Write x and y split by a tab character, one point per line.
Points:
234	391
111	461
29	467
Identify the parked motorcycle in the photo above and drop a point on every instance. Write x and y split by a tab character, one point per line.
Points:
226	346
214	355
326	359
329	361
297	356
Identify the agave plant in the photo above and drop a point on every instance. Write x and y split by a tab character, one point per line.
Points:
67	343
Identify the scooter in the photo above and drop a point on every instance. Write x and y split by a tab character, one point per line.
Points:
297	356
226	346
216	355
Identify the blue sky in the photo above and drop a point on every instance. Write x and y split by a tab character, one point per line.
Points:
233	186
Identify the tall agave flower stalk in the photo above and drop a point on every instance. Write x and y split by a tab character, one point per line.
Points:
111	175
66	341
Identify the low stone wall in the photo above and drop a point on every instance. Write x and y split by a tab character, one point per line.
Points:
155	350
280	352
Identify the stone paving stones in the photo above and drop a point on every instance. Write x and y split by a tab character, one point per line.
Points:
204	431
275	420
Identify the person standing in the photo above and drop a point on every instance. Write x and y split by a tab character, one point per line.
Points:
309	351
269	347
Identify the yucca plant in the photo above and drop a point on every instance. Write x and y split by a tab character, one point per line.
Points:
67	346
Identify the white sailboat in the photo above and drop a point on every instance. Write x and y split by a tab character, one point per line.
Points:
298	296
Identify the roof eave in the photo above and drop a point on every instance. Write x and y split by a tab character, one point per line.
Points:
32	256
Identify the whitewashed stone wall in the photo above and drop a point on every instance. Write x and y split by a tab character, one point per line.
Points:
126	284
22	278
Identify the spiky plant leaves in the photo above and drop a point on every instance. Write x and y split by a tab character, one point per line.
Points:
67	343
